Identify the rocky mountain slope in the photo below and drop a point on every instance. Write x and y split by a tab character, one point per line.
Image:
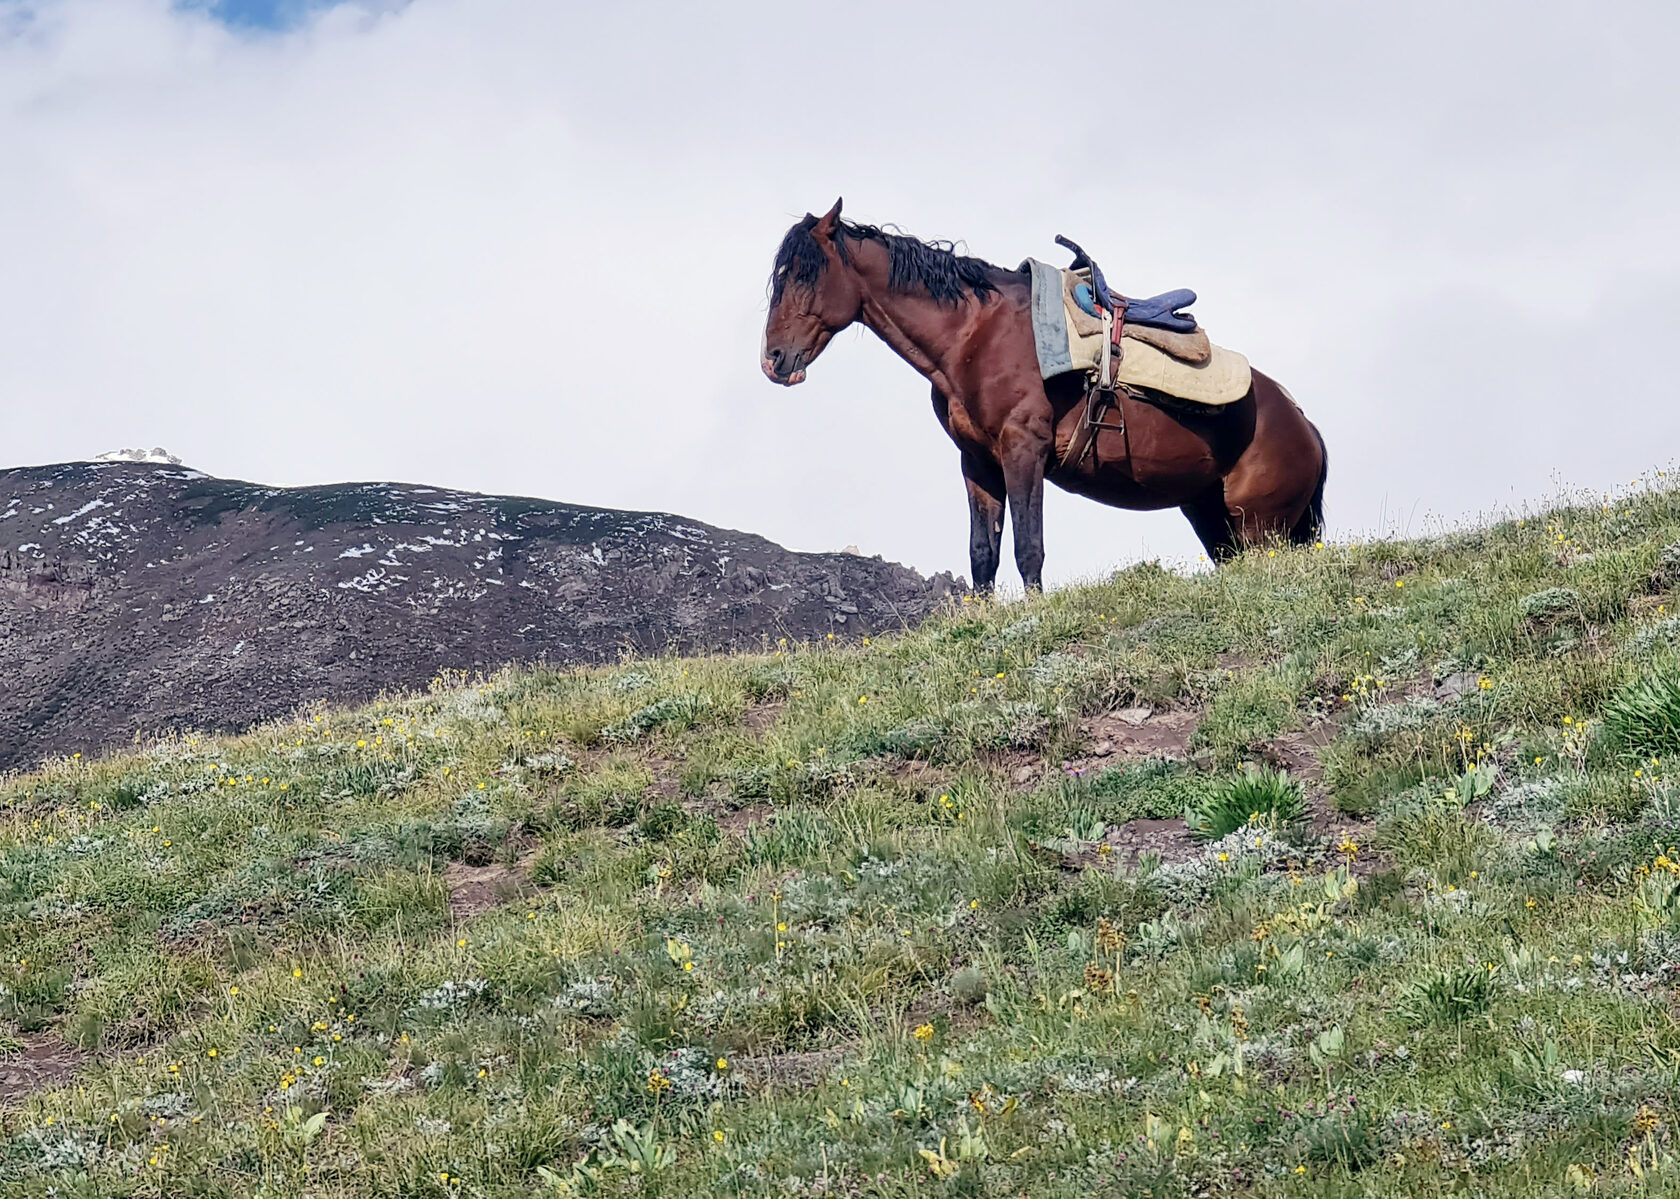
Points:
138	596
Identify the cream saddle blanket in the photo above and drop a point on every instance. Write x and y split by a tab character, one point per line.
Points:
1184	365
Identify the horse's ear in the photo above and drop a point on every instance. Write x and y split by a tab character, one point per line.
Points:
825	223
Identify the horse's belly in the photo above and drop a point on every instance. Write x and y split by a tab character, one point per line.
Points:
1115	486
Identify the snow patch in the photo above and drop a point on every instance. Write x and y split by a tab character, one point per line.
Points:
82	511
157	454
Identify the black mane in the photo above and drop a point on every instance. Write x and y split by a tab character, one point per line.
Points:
935	265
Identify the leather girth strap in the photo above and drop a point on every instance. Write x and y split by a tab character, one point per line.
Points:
1101	394
1097	406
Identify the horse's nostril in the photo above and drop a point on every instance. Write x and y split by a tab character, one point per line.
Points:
777	359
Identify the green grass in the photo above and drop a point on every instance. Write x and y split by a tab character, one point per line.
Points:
857	919
1642	720
1263	796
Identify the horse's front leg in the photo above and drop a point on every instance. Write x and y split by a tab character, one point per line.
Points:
984	480
1025	452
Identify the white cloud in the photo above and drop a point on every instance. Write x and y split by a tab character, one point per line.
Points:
521	246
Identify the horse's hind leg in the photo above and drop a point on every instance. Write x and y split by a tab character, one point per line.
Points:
1275	492
1212	521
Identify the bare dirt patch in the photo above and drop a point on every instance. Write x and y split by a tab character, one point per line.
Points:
474	890
1141	733
1169	839
1133	735
736	821
1020	767
760	717
1297	752
920	775
1125	844
43	1062
788	1070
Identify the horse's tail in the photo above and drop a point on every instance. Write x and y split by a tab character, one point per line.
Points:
1311	525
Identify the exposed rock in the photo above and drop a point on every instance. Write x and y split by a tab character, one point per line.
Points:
138	597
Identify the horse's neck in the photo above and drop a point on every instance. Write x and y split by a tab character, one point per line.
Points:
916	327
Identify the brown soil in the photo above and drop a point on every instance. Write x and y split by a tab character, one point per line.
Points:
760	717
1170	839
1297	752
1125	844
1133	734
45	1061
787	1069
1018	766
920	775
666	775
736	821
474	890
1141	733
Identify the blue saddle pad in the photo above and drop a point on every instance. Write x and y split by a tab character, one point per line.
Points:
1157	312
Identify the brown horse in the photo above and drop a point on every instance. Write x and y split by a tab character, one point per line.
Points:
1244	473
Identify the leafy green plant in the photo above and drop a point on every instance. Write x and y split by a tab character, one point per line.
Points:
639	1149
673	712
663	821
1551	606
1326	1051
1450	996
1264	794
1643	718
1346	1136
1155	788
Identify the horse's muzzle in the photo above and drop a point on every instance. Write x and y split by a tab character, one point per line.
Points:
772	366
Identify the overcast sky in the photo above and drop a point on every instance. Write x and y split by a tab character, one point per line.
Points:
520	246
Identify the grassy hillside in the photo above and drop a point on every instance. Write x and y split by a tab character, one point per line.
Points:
911	917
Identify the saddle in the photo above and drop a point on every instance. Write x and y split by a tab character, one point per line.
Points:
1086	323
1157	312
1170	343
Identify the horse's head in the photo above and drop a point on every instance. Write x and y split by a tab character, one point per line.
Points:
813	295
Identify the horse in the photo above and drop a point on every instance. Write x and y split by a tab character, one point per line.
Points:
1243	474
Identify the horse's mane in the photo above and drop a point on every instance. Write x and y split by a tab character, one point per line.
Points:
935	265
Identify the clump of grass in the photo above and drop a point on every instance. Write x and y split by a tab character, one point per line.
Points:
1450	996
1551	606
1155	788
1264	794
672	712
1643	718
